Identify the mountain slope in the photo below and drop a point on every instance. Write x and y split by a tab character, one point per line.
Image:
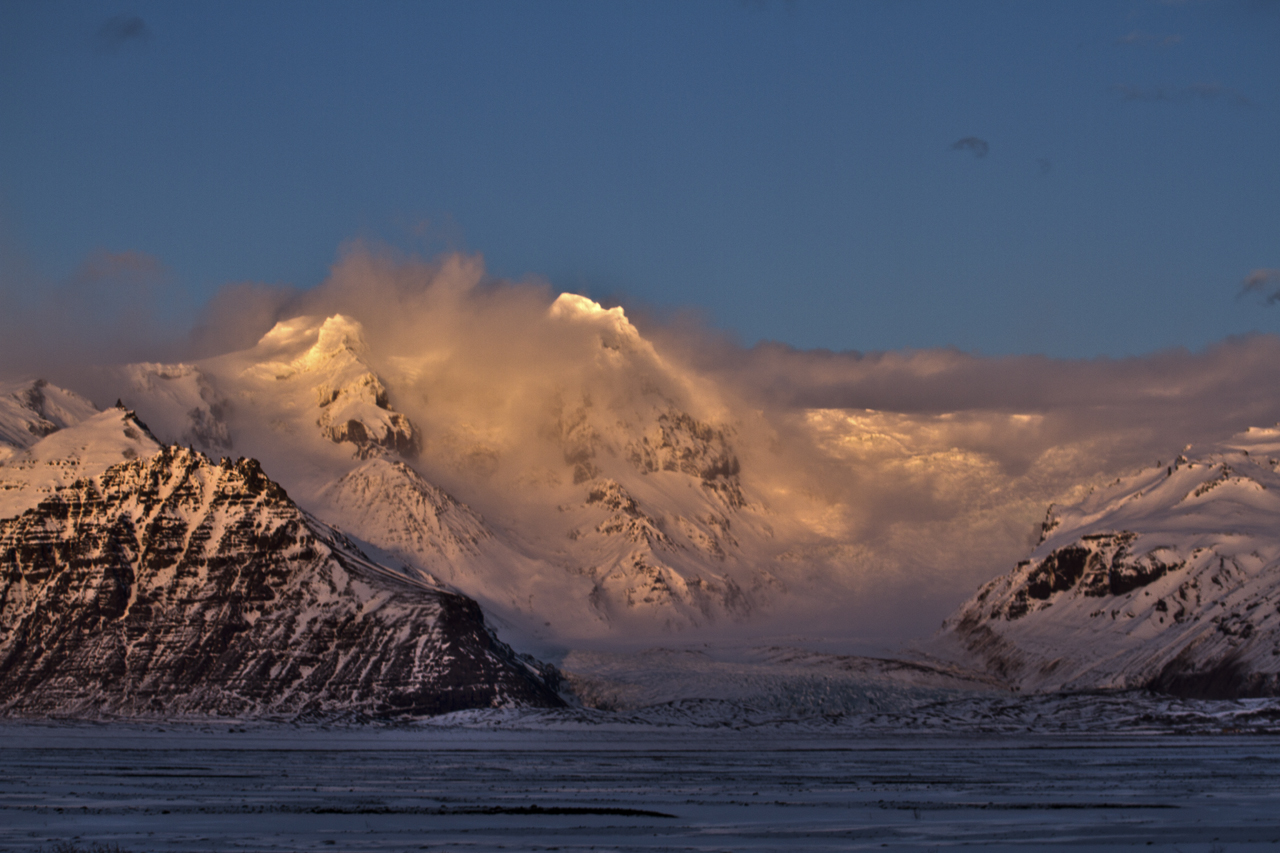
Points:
193	411
175	585
84	449
31	410
657	517
1167	579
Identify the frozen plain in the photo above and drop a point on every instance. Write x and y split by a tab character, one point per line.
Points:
1088	773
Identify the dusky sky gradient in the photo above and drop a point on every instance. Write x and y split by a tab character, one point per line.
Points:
1075	179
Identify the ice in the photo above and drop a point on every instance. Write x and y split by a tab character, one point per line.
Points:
486	781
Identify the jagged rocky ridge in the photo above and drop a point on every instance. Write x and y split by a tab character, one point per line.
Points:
174	585
1167	580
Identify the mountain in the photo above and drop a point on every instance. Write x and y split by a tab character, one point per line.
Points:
167	584
1168	579
31	410
194	413
83	449
619	507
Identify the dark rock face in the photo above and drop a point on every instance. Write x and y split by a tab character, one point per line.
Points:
626	518
1167	579
1104	613
174	585
679	442
683	443
360	413
1224	678
1099	565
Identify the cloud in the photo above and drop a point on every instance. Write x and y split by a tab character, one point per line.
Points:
1215	91
1194	92
463	348
1261	281
931	468
1138	37
115	306
103	265
979	147
238	316
122	30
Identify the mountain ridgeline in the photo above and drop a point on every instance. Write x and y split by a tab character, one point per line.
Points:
172	585
368	523
1167	580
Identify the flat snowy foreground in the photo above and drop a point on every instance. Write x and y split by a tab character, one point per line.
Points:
463	788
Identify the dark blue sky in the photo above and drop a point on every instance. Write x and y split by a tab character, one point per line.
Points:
786	169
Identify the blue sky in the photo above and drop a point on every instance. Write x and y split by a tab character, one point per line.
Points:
788	170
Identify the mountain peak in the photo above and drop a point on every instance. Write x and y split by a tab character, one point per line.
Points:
83	450
338	335
616	331
309	344
350	399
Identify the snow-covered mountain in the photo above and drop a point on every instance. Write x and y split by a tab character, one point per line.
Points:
1167	579
168	584
193	413
57	461
31	410
620	502
629	515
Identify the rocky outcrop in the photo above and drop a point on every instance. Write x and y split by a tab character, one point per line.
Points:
352	401
174	585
